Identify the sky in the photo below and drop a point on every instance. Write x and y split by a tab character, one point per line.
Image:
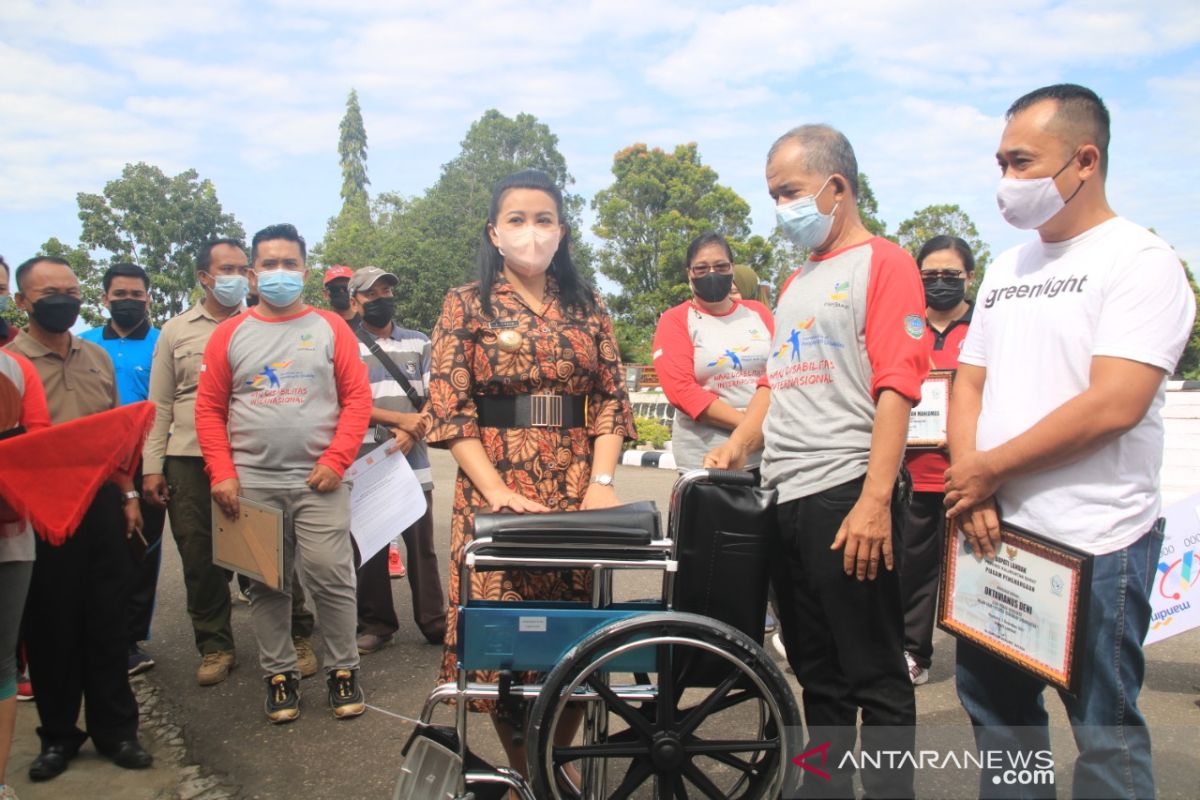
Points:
250	95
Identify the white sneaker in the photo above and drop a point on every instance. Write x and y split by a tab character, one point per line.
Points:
916	673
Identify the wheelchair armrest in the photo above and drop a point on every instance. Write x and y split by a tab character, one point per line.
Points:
635	524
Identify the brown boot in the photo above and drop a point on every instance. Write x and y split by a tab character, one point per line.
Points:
306	657
215	667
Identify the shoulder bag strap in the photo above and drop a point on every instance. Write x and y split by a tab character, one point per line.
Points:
391	367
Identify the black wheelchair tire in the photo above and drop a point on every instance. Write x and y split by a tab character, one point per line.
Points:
771	771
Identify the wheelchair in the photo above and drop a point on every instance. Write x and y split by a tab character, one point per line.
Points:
678	699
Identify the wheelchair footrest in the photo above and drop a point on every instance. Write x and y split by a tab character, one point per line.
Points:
534	637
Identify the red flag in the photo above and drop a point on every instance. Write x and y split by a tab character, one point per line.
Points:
51	476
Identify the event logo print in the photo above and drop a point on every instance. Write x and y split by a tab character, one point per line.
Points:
269	375
794	339
730	356
841	291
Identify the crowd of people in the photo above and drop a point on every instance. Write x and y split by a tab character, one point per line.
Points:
261	397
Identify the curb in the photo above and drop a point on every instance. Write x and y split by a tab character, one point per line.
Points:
158	720
660	459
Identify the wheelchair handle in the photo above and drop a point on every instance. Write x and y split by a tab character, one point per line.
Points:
731	477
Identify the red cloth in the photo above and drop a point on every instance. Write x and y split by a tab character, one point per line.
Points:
51	476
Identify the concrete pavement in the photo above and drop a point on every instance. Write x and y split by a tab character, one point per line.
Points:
214	742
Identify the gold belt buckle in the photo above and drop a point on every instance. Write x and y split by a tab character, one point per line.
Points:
545	411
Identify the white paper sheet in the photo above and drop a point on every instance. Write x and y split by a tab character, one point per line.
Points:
386	499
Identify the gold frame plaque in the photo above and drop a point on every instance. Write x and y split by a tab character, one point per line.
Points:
1027	606
925	413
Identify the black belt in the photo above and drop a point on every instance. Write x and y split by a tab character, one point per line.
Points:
532	411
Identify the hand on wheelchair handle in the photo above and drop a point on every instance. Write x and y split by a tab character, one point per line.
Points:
728	455
510	500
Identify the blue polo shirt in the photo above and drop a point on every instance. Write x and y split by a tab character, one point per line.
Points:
131	356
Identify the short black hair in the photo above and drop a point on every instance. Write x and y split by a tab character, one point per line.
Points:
29	263
124	269
204	256
284	230
706	238
1081	115
827	151
939	243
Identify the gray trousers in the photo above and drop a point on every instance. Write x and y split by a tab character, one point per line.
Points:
316	546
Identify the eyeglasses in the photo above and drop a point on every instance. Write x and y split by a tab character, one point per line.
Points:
942	274
720	267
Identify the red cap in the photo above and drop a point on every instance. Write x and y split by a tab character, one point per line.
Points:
337	271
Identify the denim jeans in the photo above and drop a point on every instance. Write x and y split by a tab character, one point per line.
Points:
1006	706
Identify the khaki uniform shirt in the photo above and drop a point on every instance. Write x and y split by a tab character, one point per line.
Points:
83	383
174	376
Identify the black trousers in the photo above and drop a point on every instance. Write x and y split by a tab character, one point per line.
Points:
75	630
845	642
377	612
924	540
143	584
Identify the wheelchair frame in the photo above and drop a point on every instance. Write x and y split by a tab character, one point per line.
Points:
604	632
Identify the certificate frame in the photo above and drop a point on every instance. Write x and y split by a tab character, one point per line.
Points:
252	544
920	442
1061	668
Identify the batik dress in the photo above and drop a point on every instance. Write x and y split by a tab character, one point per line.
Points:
560	352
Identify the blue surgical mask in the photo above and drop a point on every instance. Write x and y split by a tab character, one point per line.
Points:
280	287
4	302
230	290
803	223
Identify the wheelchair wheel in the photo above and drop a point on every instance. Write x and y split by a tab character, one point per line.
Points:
709	718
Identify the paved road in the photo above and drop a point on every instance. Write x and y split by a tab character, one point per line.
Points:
319	757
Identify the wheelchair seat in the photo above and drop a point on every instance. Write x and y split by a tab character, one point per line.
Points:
630	525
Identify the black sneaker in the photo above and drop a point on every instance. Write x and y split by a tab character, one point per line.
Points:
283	698
139	660
345	695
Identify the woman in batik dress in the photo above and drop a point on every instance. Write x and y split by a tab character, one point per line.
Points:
529	326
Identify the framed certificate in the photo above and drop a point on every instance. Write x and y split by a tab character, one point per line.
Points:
1027	606
252	544
927	420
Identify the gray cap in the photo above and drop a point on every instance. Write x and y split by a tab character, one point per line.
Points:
366	277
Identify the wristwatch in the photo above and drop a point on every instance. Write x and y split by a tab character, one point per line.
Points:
603	478
132	494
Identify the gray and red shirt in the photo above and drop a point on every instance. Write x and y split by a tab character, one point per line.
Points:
701	357
848	325
279	395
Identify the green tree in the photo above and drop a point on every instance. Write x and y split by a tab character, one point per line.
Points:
868	207
352	154
944	220
658	202
158	222
1189	363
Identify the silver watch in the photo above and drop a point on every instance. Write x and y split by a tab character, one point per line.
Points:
603	478
132	494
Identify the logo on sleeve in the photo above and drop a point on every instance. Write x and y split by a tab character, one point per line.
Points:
914	326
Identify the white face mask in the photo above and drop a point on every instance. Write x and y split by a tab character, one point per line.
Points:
528	249
1032	202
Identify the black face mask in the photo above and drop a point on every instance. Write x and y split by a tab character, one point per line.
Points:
339	298
57	312
251	300
127	314
945	293
379	312
713	287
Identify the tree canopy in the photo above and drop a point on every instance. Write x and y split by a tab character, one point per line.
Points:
352	154
158	222
657	203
